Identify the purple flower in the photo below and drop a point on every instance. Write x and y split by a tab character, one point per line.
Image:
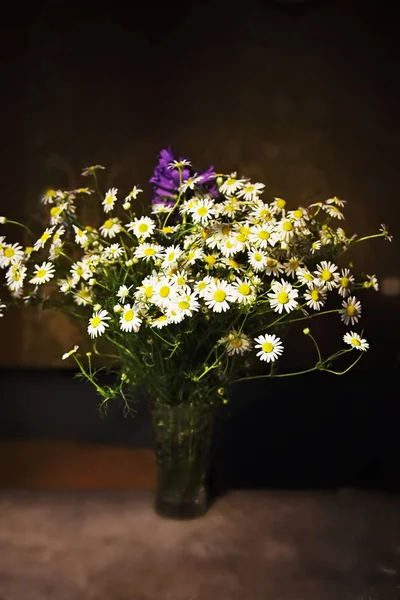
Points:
166	180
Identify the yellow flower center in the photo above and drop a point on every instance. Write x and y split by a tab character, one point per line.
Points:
16	276
181	281
202	211
50	193
162	318
202	285
191	256
44	237
210	259
171	256
164	291
183	304
267	347
205	233
143	227
265	214
271	263
167	229
315	295
28	250
108	224
226	229
263	235
242	238
326	275
257	257
55	211
281	203
294	264
232	263
149	252
41	273
245	229
109	199
351	310
298	214
95	321
283	298
287	226
344	282
79	271
229	244
148	291
219	296
230	181
9	252
355	342
244	289
308	276
236	343
128	315
249	188
84	294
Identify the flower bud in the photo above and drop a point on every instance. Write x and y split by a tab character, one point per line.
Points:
306	331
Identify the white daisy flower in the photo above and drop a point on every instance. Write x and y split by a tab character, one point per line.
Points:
345	282
42	273
257	259
81	269
165	292
336	201
174	314
160	322
242	236
149	251
113	252
58	234
133	194
11	254
56	213
351	311
70	353
283	296
315	246
243	291
230	207
110	199
229	247
278	206
202	286
218	295
193	255
146	291
273	267
327	273
305	277
81	236
190	183
181	278
211	260
231	185
262	212
49	196
262	236
110	228
142	228
66	285
236	342
270	347
179	164
315	296
355	340
98	323
299	217
130	320
55	250
202	211
83	296
171	256
186	304
232	264
371	281
117	308
292	266
334	212
123	292
250	191
40	243
284	230
15	277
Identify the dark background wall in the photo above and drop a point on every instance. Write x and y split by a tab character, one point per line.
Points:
303	96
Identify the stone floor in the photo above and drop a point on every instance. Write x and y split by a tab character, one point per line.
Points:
252	545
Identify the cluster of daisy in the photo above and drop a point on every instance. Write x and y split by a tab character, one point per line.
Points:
229	253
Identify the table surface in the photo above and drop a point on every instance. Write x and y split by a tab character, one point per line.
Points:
251	545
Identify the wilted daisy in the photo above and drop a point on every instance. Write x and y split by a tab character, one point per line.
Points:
66	285
283	296
270	347
110	199
218	295
70	353
336	201
92	170
42	273
179	164
202	210
123	292
315	296
371	281
130	320
10	255
292	266
149	251
113	252
142	228
262	236
81	236
273	267
243	291
171	255
351	311
110	228
257	259
334	211
40	243
345	282
327	273
236	342
98	323
231	185
353	339
251	191
15	277
83	296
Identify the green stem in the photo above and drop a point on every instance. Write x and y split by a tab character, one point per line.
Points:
21	225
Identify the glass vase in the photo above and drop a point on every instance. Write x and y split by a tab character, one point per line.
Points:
182	446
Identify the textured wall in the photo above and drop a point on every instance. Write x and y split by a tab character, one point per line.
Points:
305	98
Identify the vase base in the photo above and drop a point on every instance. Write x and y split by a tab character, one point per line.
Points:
181	509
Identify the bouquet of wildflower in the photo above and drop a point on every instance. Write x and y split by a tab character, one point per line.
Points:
208	273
